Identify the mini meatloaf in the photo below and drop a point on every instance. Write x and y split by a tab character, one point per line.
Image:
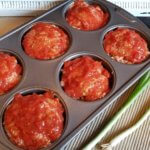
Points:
126	46
34	121
45	41
10	72
84	16
85	78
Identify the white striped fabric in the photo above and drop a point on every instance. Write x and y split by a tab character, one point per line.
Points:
139	140
135	7
26	7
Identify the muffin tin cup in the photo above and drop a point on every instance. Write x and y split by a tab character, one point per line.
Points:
28	91
105	64
22	64
101	5
137	30
28	28
46	74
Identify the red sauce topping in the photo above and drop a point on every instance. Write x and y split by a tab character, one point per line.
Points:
34	121
10	72
86	17
45	41
85	78
126	46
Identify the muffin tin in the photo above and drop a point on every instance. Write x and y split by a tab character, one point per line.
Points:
39	75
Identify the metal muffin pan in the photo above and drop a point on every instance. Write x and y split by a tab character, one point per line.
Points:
39	75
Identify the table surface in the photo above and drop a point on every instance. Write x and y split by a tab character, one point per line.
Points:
139	140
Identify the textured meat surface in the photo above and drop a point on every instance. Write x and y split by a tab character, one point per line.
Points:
45	41
10	72
126	46
84	16
34	121
85	78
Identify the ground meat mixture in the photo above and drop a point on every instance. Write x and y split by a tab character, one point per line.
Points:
45	41
84	16
85	78
34	121
126	46
10	72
